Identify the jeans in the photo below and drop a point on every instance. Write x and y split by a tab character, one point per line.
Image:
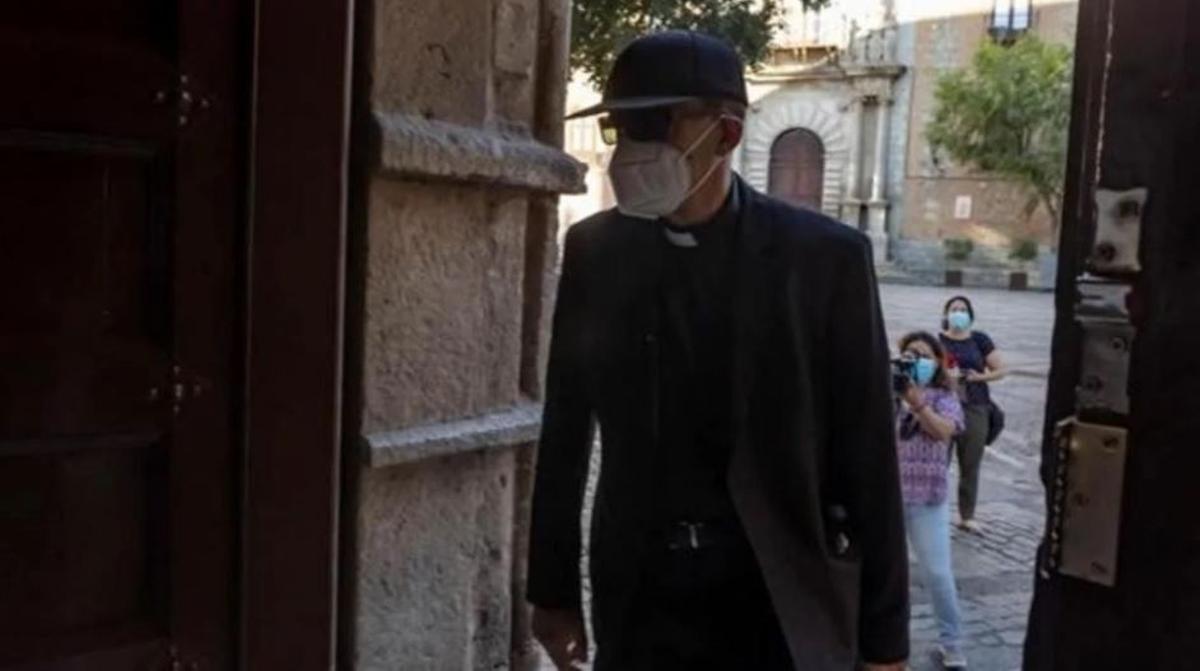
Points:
929	535
969	448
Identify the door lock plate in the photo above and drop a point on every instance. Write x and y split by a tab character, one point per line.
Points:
1104	370
1087	509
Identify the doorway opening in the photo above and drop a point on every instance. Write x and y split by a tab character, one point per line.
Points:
907	160
797	172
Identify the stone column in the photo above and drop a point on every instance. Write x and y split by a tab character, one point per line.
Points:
453	252
852	200
877	205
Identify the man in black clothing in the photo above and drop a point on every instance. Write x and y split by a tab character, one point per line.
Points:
731	349
703	607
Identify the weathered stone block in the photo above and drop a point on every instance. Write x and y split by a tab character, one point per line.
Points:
516	26
505	428
515	56
443	304
435	564
414	147
432	59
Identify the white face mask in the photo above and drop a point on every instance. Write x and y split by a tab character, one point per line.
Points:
652	179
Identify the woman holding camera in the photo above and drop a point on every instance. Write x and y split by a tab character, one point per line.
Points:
975	362
928	415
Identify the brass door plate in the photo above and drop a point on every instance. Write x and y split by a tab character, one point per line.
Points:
1090	522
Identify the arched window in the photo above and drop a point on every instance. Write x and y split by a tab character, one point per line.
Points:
797	172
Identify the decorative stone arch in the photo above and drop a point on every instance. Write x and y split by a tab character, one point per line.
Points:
778	117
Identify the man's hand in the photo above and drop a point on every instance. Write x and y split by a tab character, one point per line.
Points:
562	634
897	666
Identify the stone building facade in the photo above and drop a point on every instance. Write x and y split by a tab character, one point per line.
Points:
858	79
942	202
452	266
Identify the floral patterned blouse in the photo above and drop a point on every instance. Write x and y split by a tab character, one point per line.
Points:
925	460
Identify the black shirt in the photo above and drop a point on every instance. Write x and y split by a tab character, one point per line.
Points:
971	354
695	369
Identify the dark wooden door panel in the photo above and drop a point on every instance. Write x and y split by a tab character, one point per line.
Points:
84	285
132	23
83	539
118	226
1134	124
113	655
93	67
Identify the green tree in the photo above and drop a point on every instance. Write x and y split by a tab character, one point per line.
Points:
1007	115
600	28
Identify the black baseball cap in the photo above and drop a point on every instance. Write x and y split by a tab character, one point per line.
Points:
671	67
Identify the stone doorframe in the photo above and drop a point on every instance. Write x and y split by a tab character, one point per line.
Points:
777	115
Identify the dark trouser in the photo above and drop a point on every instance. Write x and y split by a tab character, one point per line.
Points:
969	448
700	610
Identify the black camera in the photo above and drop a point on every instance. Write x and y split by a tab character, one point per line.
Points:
904	373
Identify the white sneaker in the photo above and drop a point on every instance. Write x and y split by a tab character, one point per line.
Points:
951	658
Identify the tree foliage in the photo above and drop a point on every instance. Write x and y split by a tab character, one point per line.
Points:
601	28
1008	114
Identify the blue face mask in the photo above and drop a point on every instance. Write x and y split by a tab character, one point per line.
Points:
923	371
959	320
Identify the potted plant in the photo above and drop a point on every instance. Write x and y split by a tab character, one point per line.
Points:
1022	253
958	250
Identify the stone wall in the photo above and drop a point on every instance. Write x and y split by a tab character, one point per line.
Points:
457	170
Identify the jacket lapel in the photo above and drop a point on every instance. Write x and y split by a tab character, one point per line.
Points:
751	295
641	273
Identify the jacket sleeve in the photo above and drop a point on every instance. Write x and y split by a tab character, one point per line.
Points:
562	461
864	457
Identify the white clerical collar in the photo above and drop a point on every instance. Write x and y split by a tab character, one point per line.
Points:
680	238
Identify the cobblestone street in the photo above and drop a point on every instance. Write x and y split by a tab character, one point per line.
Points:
995	568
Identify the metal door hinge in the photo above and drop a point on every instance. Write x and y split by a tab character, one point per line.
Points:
1104	369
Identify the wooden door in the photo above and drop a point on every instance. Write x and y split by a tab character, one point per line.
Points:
1134	125
797	168
118	211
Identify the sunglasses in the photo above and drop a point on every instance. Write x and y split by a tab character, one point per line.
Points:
646	125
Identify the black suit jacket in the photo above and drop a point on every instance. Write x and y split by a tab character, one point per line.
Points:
814	459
